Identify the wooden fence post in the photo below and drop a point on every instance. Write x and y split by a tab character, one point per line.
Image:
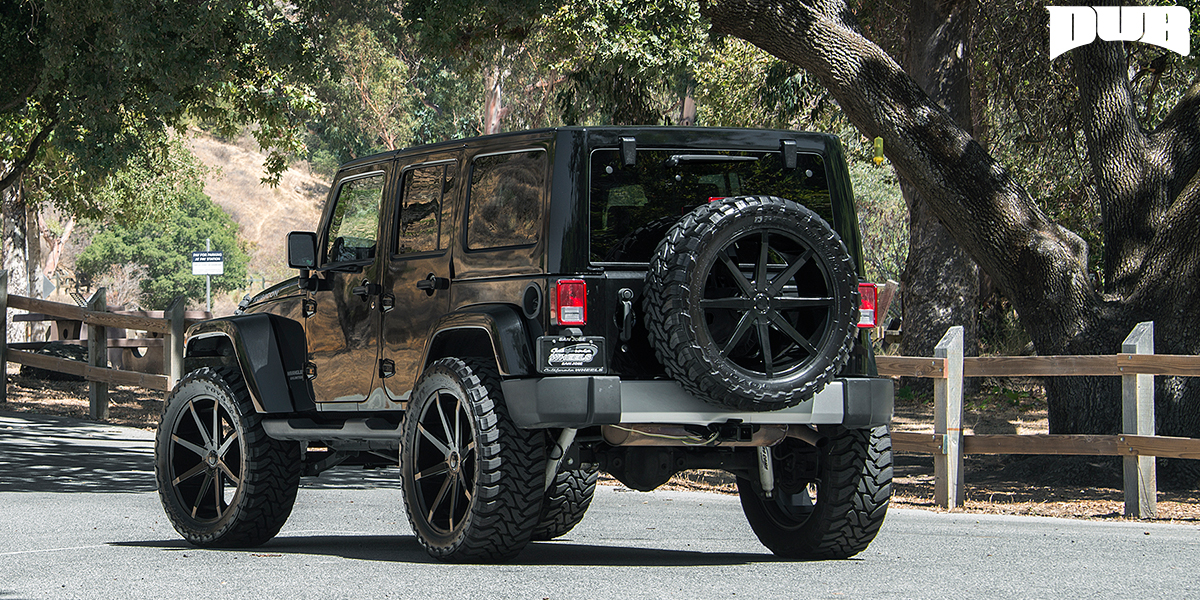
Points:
947	421
98	357
173	348
4	335
1137	416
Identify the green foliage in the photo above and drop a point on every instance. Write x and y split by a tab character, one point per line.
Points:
367	98
628	61
97	85
163	249
449	102
739	85
471	27
147	186
882	218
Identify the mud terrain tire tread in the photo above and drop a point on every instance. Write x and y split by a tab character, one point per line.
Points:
509	473
270	469
566	502
674	284
853	496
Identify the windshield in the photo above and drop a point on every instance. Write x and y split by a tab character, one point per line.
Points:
633	206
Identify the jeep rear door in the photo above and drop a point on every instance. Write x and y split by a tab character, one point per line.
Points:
417	278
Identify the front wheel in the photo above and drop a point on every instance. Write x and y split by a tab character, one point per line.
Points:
833	515
472	480
222	481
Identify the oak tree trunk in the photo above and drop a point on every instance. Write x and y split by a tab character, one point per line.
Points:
16	257
941	281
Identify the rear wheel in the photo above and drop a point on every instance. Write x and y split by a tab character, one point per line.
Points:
835	514
565	503
221	480
472	480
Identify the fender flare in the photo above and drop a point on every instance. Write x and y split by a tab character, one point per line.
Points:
508	333
268	349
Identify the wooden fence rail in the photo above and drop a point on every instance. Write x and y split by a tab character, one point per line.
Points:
97	319
1136	364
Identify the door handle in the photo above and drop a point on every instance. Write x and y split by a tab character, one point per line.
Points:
433	282
366	290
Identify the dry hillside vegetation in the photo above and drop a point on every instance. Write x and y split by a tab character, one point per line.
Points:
263	213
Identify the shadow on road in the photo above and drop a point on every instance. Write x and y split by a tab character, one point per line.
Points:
405	549
43	453
61	454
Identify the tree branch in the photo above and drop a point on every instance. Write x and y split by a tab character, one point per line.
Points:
1132	198
21	98
14	174
1176	142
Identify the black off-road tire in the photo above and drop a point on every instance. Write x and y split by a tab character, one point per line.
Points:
565	503
221	480
472	481
835	516
752	303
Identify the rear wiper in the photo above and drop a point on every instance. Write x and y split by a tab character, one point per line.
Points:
675	159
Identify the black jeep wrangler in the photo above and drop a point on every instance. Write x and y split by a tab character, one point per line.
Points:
512	314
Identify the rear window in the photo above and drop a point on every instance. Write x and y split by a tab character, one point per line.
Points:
632	207
506	199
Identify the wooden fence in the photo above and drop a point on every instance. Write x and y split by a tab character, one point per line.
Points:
97	319
1136	364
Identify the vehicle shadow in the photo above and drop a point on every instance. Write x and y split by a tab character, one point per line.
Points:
406	549
41	453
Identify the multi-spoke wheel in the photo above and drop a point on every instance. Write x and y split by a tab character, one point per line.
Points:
221	480
832	511
472	480
751	303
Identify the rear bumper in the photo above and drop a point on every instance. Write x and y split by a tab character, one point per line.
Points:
582	401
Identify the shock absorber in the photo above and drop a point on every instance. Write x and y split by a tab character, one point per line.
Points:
766	471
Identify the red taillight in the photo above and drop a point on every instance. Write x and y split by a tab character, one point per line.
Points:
571	307
866	305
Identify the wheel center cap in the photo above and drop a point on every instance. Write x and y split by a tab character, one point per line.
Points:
762	303
453	460
211	459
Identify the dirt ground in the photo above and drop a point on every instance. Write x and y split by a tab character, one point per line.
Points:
1018	485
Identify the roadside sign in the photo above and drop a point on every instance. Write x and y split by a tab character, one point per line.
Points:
208	263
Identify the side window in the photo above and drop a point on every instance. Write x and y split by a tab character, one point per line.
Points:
422	207
355	223
506	199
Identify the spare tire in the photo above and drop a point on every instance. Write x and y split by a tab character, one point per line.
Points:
752	303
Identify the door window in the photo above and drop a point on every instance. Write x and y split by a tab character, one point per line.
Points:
354	227
421	220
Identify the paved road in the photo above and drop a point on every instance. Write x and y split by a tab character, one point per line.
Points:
79	518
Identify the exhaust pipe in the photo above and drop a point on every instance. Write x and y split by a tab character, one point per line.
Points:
677	435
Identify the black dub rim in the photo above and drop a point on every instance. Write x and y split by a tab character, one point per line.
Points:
444	462
767	304
206	459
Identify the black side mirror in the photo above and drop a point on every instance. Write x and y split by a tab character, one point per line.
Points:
302	250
